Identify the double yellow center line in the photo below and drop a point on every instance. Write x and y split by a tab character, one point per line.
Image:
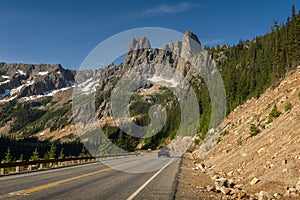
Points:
57	183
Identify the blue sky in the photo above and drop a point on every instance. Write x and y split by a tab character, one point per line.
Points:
35	31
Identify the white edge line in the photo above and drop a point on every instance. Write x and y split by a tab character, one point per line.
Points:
147	182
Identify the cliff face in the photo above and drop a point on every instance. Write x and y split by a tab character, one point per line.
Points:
174	54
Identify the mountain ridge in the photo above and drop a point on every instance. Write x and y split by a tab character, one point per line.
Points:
49	89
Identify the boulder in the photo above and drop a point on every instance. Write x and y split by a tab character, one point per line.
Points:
210	188
225	190
222	182
254	181
264	195
298	185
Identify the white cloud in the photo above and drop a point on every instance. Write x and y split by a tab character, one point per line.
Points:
168	9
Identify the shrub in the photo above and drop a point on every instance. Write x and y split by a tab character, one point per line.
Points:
240	142
288	107
189	151
273	114
254	130
197	141
225	133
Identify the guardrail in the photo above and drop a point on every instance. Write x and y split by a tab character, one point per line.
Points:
56	162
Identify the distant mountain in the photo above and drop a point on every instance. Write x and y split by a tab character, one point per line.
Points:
25	81
36	99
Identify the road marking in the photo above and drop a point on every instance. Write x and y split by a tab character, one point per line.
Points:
34	173
54	184
147	182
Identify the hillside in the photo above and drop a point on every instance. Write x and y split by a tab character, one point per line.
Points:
269	152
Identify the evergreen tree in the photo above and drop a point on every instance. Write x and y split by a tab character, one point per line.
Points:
21	157
8	156
83	152
294	38
61	153
51	153
35	155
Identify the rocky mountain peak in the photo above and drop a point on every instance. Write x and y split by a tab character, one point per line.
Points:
190	34
140	52
190	45
139	43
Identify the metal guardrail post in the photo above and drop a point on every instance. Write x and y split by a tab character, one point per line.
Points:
18	167
2	170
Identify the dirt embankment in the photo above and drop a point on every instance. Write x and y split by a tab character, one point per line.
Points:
265	165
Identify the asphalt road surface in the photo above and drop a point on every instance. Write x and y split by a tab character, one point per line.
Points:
128	178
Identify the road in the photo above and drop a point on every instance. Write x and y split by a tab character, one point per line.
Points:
124	178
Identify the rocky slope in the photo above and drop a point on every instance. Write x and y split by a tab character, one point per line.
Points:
259	151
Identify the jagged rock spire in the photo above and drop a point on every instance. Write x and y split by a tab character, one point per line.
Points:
140	43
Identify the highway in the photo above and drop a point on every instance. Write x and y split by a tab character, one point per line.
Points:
124	178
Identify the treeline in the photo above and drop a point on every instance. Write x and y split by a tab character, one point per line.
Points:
31	148
250	67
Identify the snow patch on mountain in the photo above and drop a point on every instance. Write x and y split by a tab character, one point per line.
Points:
46	94
21	72
158	79
7	100
4	76
16	90
89	86
43	73
6	81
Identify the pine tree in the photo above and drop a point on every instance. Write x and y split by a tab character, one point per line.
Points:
83	152
21	157
35	155
294	39
52	152
276	52
61	153
8	156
